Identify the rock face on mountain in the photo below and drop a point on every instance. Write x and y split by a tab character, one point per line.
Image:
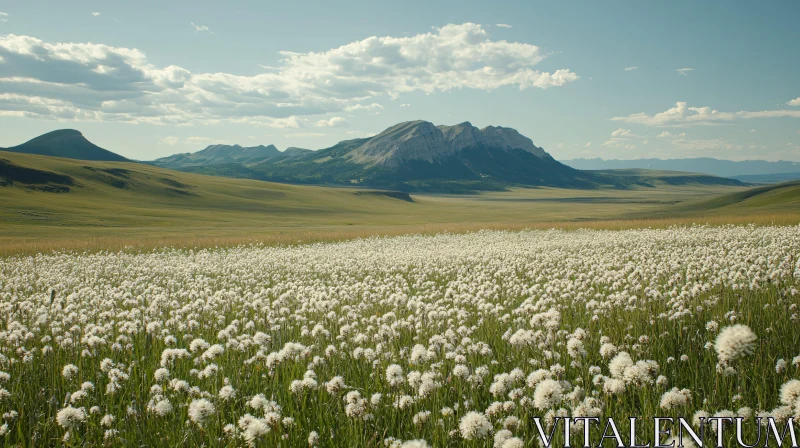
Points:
410	156
422	141
220	155
67	143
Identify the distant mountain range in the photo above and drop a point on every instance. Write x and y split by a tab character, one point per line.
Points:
227	154
744	170
409	157
67	143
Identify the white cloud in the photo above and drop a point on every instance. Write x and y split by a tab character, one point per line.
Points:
95	14
682	115
588	144
198	140
667	134
622	133
171	141
199	27
405	105
794	102
368	107
84	81
504	25
684	71
3	17
335	122
630	69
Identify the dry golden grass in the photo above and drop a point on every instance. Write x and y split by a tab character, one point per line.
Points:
10	247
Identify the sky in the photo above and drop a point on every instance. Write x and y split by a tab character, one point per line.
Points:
582	79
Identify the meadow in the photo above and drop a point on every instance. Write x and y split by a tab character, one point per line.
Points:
409	341
131	206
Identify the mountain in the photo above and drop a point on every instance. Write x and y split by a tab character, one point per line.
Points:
219	155
715	167
418	156
67	143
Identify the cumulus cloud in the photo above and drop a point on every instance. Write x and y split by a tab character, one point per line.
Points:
504	25
622	133
85	81
667	134
405	105
171	140
684	71
95	14
794	102
3	17
630	69
683	115
335	122
199	27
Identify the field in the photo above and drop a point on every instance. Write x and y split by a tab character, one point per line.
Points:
116	205
414	341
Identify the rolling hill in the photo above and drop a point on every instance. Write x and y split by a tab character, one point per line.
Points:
50	200
770	198
67	143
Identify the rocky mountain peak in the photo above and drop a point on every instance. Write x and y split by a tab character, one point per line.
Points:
422	141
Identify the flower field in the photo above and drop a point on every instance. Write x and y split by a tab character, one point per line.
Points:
414	341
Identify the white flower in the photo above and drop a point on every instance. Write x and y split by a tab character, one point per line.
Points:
415	444
735	342
394	375
335	385
790	392
618	365
227	393
313	439
547	394
256	429
69	371
161	375
200	410
70	417
474	425
675	398
107	420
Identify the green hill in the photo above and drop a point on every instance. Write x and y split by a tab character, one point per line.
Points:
67	143
770	198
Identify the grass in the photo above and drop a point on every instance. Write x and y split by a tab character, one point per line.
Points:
117	205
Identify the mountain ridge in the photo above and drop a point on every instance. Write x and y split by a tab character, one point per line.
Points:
219	154
418	156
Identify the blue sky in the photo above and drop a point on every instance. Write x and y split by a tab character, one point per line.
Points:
605	79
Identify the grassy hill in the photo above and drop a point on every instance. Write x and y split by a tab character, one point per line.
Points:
657	178
770	198
50	202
